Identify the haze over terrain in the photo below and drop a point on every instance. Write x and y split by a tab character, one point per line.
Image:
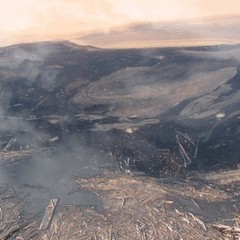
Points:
109	23
103	94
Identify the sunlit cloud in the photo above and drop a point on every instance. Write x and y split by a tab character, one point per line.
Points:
48	18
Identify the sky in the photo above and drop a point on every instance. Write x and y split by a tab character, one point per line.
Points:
36	19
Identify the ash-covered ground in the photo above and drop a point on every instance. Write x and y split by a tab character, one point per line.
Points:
71	111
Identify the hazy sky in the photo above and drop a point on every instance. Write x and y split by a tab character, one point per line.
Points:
53	17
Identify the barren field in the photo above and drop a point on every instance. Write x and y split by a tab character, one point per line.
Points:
119	143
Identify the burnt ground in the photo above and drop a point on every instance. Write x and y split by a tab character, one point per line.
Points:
70	111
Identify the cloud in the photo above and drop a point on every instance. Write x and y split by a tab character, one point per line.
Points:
57	19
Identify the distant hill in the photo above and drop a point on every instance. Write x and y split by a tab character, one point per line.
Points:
130	102
196	32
